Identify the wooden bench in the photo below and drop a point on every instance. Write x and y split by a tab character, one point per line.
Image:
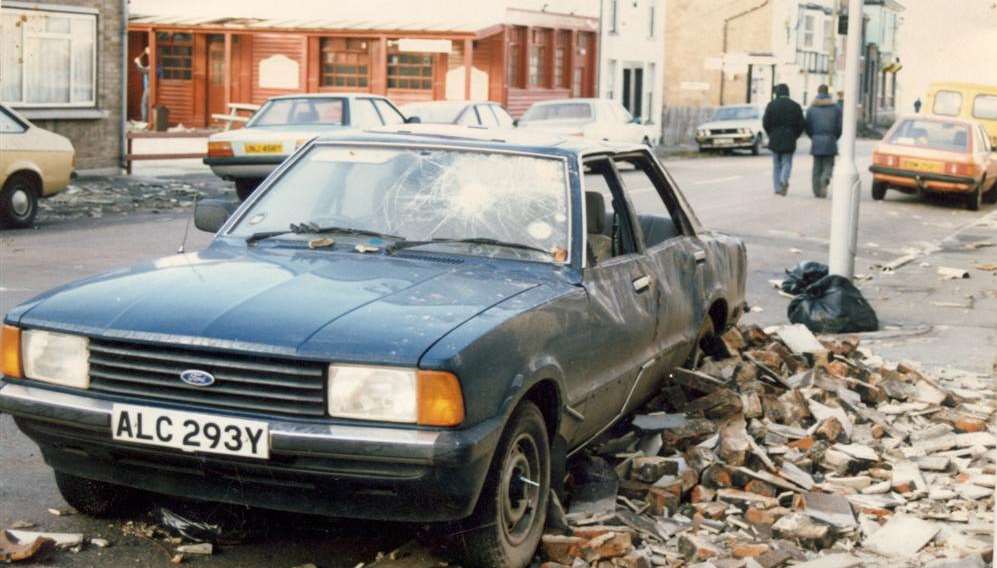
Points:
130	156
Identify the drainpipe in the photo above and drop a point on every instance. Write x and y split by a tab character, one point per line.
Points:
727	21
122	142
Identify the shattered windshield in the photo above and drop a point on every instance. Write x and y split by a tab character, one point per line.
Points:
423	194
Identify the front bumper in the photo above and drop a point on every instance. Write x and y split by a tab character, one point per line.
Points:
252	167
739	141
922	180
366	472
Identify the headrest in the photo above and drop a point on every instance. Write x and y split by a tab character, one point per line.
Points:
595	212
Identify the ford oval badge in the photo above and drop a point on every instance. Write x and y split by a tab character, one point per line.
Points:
197	378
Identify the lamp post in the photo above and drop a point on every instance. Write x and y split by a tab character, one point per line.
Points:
846	189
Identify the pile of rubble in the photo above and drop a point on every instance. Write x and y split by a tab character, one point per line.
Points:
786	450
95	197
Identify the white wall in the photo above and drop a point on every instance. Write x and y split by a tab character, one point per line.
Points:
951	40
633	45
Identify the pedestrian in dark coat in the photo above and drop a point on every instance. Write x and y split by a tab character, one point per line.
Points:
783	123
823	126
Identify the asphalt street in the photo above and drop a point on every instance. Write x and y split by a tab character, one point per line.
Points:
729	193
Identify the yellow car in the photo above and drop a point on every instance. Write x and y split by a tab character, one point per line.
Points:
970	101
34	163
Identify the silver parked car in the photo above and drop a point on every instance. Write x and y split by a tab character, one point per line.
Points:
732	127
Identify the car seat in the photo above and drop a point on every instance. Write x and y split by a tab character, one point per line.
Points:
600	245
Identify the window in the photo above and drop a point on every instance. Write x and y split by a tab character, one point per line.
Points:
48	58
389	114
650	21
345	62
828	35
516	39
363	114
9	124
984	106
487	116
538	59
558	111
174	54
658	215
304	110
608	232
410	71
808	31
614	16
469	117
937	134
561	47
947	103
504	120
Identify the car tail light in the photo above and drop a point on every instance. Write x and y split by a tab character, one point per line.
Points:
887	160
960	169
220	150
10	352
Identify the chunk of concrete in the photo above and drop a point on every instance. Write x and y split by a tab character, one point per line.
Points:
834	510
902	536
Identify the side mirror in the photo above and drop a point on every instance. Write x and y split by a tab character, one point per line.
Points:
413	120
515	122
211	214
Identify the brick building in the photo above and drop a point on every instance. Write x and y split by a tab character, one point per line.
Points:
62	68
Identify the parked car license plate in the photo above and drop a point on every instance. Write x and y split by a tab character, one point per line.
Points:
190	432
263	148
922	165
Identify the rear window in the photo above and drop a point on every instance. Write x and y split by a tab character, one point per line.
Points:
947	103
558	111
303	111
932	134
985	106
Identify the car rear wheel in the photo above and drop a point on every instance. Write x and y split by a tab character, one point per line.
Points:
990	196
245	187
97	498
704	340
878	190
507	523
974	198
756	148
19	201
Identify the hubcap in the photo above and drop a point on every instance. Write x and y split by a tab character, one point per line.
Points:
520	489
20	202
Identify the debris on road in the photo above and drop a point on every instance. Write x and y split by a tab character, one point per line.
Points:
794	451
108	195
833	305
201	548
13	549
195	531
949	273
72	541
803	275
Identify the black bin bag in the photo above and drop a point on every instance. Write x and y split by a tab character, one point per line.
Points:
803	275
833	305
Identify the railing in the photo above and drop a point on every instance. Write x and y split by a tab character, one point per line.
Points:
130	156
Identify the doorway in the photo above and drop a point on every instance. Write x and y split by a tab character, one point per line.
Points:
633	88
216	76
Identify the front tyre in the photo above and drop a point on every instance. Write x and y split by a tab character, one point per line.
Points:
97	498
507	523
756	148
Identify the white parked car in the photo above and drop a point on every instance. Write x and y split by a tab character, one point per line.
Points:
596	119
732	127
466	113
282	124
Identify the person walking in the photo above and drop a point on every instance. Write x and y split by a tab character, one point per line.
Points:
143	68
783	123
823	126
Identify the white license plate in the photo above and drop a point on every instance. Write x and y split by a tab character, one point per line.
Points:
190	432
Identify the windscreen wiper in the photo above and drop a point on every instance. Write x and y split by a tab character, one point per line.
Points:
473	240
312	228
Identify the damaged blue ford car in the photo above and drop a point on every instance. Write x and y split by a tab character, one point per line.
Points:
416	325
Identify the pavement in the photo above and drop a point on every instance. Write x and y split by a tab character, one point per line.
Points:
943	324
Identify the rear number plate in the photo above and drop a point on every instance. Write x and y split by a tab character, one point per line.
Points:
922	165
263	148
190	432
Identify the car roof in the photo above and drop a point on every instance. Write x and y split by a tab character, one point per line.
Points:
567	101
507	139
325	96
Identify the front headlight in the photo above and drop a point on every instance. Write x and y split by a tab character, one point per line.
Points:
57	358
393	394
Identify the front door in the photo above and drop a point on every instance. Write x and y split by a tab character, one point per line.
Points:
216	76
622	302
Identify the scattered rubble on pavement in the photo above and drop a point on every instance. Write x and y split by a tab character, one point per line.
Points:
790	452
98	196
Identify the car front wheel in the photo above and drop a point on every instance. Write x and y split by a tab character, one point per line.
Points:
507	523
19	201
97	498
756	148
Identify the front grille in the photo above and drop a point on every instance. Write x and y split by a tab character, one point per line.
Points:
723	131
242	382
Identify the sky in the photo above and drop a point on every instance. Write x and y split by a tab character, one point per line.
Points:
946	40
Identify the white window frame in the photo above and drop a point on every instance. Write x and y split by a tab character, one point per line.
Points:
614	16
651	21
73	13
809	31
